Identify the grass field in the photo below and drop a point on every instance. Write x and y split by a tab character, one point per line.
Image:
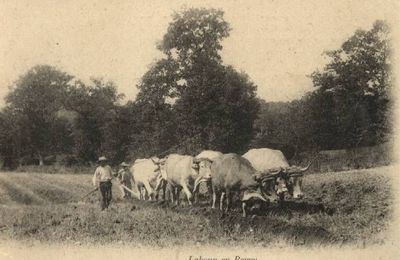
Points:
341	208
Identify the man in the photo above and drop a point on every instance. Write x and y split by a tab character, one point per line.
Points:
102	179
124	177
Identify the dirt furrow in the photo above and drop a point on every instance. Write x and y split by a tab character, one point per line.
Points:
19	193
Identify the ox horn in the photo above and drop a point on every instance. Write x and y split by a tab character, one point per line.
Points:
309	164
197	183
197	160
267	175
306	168
155	160
296	174
268	178
274	171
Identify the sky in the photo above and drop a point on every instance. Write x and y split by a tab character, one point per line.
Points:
277	43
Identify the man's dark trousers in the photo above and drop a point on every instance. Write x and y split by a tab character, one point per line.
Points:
105	189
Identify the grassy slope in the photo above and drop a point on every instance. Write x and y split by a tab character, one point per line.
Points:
341	208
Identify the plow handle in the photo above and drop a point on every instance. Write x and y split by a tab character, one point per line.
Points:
89	193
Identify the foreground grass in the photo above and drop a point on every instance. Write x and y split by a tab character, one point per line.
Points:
341	208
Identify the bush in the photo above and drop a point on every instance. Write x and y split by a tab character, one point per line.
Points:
342	160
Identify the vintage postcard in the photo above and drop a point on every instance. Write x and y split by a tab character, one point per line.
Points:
199	130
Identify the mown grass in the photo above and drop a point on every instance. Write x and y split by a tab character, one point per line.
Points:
341	208
56	169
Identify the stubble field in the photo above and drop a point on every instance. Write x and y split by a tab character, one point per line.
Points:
341	208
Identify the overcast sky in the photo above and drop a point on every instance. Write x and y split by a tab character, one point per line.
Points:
277	43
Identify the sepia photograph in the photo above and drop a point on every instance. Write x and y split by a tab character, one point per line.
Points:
199	130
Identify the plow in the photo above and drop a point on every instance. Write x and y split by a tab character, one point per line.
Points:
131	191
134	194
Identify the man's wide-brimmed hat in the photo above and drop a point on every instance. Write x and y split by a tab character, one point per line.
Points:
102	159
124	164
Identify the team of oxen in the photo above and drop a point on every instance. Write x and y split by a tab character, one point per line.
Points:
260	174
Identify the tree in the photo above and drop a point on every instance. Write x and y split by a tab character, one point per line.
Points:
350	106
152	130
97	117
286	126
115	132
210	105
357	83
34	99
195	34
217	110
12	138
48	114
153	124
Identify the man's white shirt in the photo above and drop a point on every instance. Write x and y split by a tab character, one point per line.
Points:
102	174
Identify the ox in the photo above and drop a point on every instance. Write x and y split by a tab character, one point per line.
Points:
233	173
289	178
210	155
185	172
146	176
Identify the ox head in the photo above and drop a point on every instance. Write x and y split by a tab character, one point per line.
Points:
162	174
293	176
160	165
202	166
278	182
160	181
271	184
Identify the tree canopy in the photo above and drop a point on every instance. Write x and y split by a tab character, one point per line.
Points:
189	100
210	105
350	106
356	85
34	99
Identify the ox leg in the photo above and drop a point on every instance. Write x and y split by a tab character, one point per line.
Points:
228	199
177	195
157	191
171	192
214	200
195	197
144	193
188	194
149	191
140	192
221	201
163	187
210	191
160	185
143	190
215	193
244	208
